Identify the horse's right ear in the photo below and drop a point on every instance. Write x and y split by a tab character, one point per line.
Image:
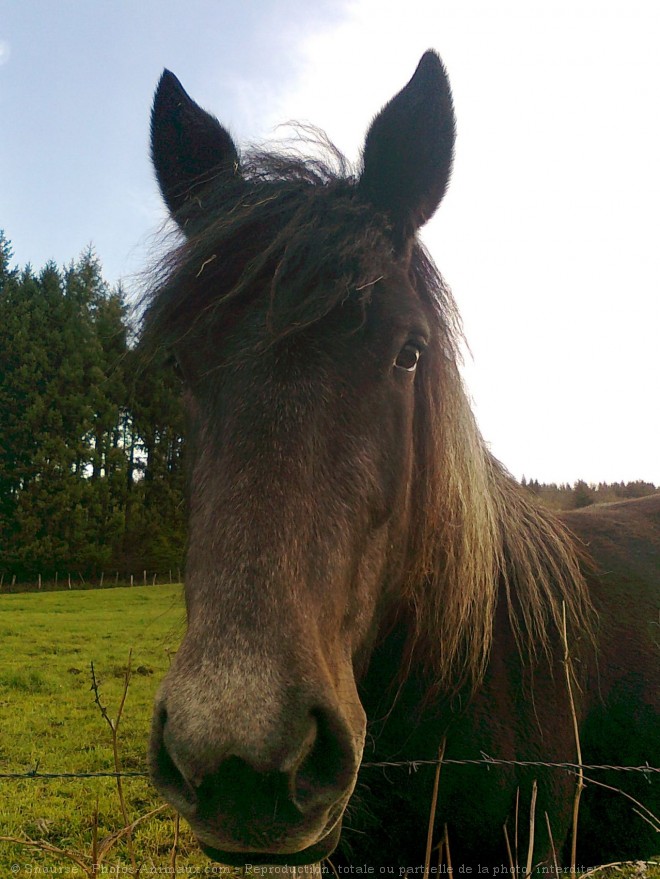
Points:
189	147
409	148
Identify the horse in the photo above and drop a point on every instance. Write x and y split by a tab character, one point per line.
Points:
369	593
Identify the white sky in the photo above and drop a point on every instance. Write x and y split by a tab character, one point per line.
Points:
548	235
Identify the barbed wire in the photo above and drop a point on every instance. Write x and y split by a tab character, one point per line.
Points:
411	765
497	761
34	773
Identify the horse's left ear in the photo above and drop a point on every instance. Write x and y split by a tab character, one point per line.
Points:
189	147
409	149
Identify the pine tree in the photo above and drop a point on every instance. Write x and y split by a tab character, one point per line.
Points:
582	495
9	475
156	526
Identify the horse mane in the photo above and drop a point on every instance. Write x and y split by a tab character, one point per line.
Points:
284	224
479	537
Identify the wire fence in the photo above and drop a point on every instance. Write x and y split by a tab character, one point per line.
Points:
12	583
411	765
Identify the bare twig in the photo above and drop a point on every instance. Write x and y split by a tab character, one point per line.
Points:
97	698
44	846
114	729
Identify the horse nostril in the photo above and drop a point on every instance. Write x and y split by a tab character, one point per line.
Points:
165	773
327	769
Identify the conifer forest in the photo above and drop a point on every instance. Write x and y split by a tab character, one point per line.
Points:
90	438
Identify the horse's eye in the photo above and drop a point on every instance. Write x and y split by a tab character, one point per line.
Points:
408	357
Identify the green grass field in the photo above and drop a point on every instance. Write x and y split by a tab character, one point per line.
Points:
49	720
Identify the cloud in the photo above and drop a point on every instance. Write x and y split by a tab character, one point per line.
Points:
5	52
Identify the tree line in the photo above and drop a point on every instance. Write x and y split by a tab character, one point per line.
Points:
91	441
91	438
583	494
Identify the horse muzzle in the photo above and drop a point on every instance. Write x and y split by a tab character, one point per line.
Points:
252	793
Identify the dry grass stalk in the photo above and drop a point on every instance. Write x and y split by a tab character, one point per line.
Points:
552	843
579	787
95	833
617	864
434	803
512	864
175	844
515	835
654	823
332	867
440	849
513	854
450	869
532	821
109	841
90	865
650	817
